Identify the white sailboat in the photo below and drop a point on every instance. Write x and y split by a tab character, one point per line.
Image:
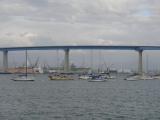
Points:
24	77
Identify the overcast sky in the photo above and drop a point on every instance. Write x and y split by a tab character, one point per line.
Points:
57	22
79	22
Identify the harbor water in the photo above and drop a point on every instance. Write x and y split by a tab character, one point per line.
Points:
79	99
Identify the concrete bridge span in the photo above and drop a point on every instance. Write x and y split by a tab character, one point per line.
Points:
66	49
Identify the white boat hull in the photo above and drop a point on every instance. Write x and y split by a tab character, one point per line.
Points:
111	77
156	77
98	80
139	77
84	77
23	79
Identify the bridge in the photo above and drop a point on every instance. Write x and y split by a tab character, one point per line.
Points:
66	49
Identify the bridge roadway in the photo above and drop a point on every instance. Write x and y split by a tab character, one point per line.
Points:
85	47
139	49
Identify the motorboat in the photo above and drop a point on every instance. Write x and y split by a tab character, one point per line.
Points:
60	77
97	79
139	77
110	77
156	77
107	75
84	77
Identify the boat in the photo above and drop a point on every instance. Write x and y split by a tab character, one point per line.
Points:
111	77
108	77
97	79
156	77
60	77
139	77
84	77
24	77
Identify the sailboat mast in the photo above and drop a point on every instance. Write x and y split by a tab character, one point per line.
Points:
26	63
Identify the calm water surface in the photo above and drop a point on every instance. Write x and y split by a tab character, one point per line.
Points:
79	100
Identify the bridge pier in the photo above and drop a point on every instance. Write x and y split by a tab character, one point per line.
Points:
140	64
66	60
5	60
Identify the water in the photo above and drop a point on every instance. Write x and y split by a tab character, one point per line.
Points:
79	100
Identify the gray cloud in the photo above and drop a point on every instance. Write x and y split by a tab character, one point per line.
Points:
79	22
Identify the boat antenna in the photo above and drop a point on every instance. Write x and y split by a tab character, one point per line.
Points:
26	63
83	60
57	54
91	60
147	64
99	62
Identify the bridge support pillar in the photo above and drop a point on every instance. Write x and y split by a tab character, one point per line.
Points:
140	64
66	60
5	60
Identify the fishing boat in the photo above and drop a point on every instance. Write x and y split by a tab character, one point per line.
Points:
24	77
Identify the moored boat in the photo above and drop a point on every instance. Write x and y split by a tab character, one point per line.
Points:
84	77
97	80
139	77
23	78
60	77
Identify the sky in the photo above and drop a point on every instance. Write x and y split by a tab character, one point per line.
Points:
79	22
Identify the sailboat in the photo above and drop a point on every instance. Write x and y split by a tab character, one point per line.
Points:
24	77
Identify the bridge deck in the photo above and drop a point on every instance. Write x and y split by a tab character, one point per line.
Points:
87	47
